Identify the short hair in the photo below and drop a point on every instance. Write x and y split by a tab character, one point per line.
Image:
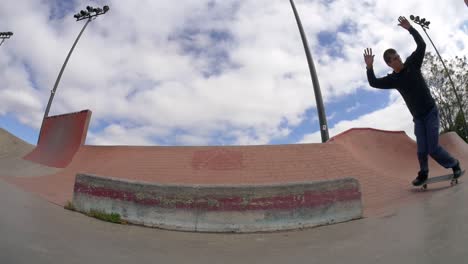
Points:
387	53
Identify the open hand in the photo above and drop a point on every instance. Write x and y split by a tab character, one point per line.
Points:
368	57
404	23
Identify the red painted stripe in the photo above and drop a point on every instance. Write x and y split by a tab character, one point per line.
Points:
210	203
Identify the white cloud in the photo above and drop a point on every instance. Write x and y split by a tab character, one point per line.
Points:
204	72
118	134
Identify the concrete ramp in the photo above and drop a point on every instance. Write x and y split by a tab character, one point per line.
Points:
386	152
384	163
60	139
12	164
12	145
453	142
391	153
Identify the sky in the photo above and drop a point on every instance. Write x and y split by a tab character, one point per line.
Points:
207	72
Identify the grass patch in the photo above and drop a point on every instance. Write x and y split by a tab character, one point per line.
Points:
69	206
113	217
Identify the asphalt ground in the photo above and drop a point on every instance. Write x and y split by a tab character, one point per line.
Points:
429	230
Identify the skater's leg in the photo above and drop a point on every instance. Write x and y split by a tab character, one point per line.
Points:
438	153
421	141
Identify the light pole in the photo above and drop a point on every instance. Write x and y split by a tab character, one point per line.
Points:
5	35
425	25
315	82
89	14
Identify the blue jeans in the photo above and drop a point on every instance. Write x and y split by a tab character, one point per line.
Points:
426	130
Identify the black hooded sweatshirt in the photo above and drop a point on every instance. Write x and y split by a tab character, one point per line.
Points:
409	81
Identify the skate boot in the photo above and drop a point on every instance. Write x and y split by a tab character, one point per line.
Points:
457	172
421	179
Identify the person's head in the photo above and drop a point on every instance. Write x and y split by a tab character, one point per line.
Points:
393	60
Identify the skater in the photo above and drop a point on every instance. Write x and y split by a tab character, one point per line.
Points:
409	81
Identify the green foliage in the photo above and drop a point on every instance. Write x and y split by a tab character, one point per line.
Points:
113	217
449	99
69	206
458	127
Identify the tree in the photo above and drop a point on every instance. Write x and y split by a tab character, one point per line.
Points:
458	127
451	118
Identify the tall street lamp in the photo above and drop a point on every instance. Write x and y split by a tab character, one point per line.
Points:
315	82
425	25
5	35
90	14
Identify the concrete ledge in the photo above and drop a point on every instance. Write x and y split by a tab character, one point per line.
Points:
221	208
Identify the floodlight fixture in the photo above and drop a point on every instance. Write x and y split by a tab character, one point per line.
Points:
421	21
91	12
5	35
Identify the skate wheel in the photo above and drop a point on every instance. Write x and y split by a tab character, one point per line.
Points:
424	187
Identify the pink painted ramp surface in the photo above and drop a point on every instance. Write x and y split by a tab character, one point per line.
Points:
384	163
60	139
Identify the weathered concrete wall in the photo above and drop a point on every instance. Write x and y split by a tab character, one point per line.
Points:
221	208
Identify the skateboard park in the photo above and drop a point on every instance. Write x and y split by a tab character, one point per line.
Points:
216	72
361	201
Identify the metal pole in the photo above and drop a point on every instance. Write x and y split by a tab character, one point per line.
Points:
451	82
52	92
3	40
315	82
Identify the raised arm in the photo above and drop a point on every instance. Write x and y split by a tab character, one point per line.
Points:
417	57
381	83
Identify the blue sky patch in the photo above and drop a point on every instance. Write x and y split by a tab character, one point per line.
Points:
11	124
330	44
31	75
354	105
209	46
58	9
348	107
